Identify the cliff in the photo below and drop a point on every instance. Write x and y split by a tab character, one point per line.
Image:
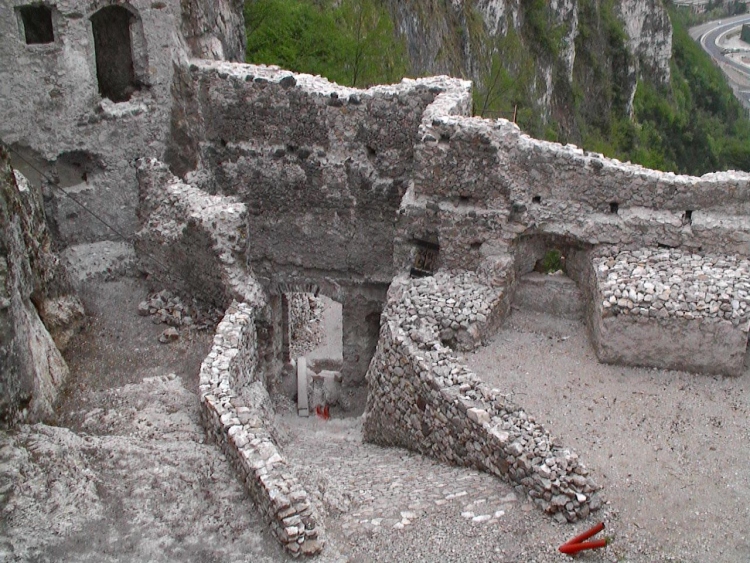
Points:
214	30
34	290
553	57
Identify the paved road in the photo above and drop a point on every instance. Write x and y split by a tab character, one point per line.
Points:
708	35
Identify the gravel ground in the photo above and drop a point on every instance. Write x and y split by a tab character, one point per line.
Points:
125	476
670	448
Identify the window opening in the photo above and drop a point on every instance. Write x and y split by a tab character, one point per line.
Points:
426	256
37	24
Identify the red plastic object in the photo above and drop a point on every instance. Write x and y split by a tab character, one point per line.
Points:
578	543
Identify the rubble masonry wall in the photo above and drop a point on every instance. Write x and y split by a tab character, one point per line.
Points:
478	184
322	168
671	309
422	397
238	424
193	241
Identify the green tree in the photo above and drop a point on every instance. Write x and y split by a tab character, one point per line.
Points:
373	54
352	42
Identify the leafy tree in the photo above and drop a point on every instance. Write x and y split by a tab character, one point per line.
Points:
352	42
373	54
509	75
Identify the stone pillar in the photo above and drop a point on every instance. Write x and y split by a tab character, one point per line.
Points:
361	309
303	408
268	328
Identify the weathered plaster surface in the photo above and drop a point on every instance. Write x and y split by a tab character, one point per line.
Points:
53	113
233	394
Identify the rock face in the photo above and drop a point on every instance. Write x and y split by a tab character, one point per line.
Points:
135	474
461	38
649	36
32	282
214	30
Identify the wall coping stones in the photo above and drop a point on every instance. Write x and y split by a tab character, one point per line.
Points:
317	85
423	397
664	283
241	430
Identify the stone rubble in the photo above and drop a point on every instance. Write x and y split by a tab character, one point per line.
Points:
665	283
168	308
423	397
237	422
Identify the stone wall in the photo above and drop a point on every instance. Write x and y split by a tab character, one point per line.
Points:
422	397
510	185
191	241
323	171
671	309
322	168
235	412
303	309
55	118
36	298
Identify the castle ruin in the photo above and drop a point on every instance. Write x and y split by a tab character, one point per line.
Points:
241	183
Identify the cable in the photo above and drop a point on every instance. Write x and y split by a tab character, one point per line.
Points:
74	200
53	184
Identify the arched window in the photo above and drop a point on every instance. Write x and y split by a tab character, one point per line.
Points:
114	53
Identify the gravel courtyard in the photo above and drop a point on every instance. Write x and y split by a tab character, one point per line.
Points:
126	475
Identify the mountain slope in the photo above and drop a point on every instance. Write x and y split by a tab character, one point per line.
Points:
611	76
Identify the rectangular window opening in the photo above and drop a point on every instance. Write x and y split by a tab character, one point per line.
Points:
426	256
37	24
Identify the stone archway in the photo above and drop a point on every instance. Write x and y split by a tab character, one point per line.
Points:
361	305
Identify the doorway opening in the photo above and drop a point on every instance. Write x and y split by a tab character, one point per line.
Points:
550	270
314	354
113	47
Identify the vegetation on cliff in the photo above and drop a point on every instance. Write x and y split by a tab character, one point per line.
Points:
351	42
693	125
